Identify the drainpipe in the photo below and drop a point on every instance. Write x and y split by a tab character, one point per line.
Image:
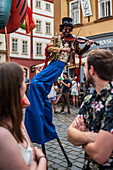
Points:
31	36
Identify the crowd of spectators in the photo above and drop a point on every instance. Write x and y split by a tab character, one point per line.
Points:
66	91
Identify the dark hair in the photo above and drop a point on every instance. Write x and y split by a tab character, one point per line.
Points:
62	27
65	74
11	77
102	61
66	21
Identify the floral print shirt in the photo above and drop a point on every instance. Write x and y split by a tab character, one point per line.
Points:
98	114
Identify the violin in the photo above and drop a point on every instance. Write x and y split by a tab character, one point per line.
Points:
80	40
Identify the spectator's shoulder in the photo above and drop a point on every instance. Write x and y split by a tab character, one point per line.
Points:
88	98
68	80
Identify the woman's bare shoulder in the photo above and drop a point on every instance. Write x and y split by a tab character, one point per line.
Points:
10	155
5	136
4	132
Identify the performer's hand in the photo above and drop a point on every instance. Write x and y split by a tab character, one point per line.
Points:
65	50
90	42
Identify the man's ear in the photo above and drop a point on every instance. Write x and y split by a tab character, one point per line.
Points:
92	71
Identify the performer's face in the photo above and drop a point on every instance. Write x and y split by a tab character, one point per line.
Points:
66	31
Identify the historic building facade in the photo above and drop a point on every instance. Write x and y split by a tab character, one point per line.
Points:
29	49
91	18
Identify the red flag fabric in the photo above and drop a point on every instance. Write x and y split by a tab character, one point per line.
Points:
30	24
47	56
79	68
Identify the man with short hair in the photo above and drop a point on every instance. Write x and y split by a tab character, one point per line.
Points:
65	84
93	126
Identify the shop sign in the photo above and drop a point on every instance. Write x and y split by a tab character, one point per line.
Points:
86	8
104	42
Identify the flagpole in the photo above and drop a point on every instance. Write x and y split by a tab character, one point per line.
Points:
7	47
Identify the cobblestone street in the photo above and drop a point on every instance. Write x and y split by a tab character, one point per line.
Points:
56	159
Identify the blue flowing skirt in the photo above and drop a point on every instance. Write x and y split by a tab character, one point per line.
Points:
38	116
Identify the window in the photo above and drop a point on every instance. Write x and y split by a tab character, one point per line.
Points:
38	48
38	26
48	30
74	7
105	8
47	6
24	47
14	45
38	3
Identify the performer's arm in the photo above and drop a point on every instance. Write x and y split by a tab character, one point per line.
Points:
53	49
81	51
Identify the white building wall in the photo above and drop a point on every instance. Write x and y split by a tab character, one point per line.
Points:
44	16
2	57
43	20
38	14
2	47
19	50
42	10
44	44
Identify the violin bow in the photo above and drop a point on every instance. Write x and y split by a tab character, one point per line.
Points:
80	29
78	32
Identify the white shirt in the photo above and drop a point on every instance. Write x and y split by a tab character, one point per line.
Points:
27	153
74	86
52	92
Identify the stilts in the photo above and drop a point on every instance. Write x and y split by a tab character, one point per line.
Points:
59	142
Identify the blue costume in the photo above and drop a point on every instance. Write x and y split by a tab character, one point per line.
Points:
38	117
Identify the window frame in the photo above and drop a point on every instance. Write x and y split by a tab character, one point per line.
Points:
26	52
49	9
75	11
14	51
100	16
40	54
38	4
39	31
49	27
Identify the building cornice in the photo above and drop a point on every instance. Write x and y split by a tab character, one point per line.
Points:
51	1
34	36
42	15
3	51
101	35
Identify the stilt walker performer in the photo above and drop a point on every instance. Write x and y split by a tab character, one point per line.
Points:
38	117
